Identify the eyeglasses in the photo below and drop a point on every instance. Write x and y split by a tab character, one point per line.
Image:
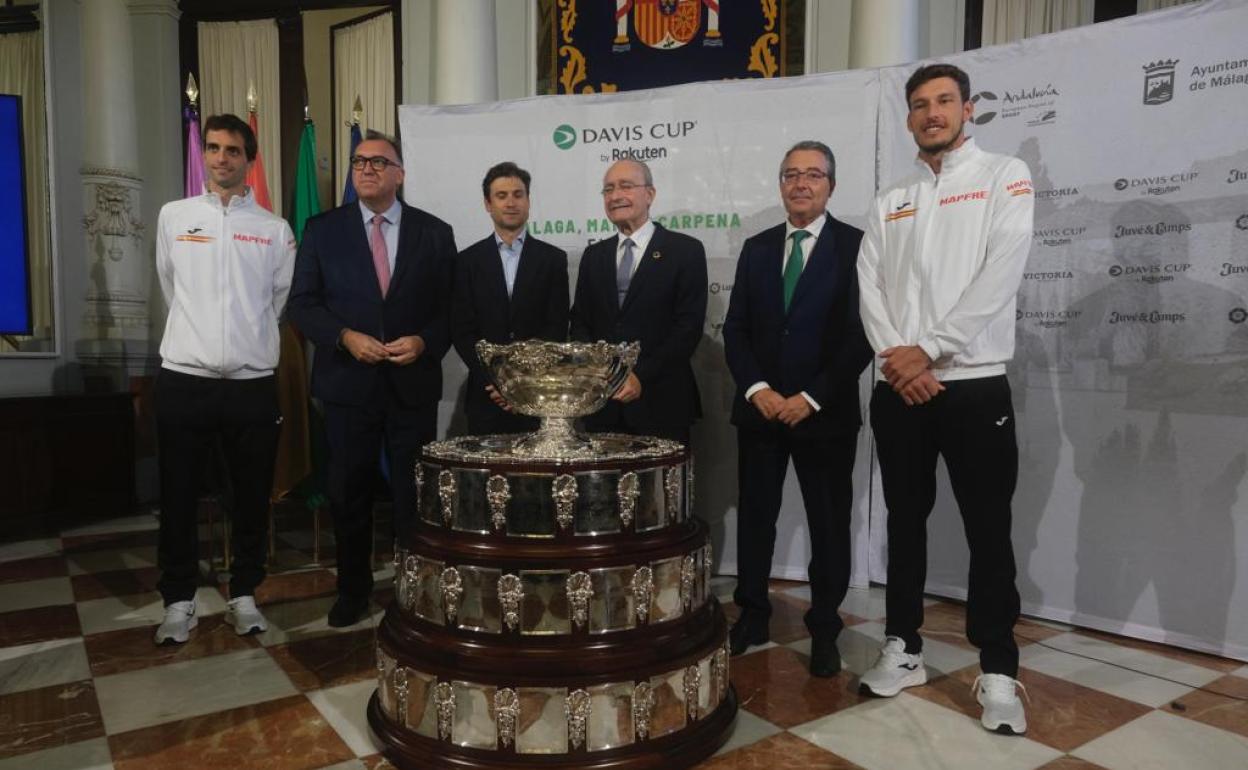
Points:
812	175
624	187
377	163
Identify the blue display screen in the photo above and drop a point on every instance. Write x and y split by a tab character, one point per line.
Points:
14	240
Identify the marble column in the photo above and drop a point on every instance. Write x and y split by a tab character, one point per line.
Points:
116	319
465	63
883	32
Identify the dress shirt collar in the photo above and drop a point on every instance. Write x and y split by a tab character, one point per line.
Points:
391	215
814	228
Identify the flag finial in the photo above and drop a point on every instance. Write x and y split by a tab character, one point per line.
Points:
192	89
252	101
357	112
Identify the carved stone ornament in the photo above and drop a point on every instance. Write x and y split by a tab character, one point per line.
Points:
576	708
580	591
408	587
643	705
112	215
399	678
452	590
643	587
564	492
498	492
448	487
688	573
510	594
693	681
418	475
671	485
506	714
719	674
628	489
444	704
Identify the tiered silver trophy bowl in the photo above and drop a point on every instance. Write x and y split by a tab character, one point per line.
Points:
557	382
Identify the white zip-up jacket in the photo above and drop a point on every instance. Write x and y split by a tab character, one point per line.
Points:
942	258
225	273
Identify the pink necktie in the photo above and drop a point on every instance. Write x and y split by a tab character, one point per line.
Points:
381	263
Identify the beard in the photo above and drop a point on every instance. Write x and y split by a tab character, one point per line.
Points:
937	147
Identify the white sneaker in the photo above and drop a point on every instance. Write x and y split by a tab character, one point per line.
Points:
247	618
176	627
894	671
1003	711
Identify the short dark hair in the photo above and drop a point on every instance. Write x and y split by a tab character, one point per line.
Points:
817	146
370	135
933	71
235	125
505	170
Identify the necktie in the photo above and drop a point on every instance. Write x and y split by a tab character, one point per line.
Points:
381	262
793	267
624	273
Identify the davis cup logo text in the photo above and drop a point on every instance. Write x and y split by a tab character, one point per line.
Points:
566	137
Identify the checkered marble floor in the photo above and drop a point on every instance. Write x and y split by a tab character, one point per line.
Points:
82	686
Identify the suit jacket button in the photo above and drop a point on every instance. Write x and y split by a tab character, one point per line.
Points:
511	335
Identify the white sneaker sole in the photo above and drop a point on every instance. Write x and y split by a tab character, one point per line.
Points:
167	639
249	629
916	678
1015	726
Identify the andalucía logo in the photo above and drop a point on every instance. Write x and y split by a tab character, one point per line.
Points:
1159	81
565	137
980	118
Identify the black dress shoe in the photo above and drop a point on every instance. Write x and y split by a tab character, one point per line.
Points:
746	632
347	611
825	659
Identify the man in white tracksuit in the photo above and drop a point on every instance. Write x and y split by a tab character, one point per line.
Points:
225	266
939	269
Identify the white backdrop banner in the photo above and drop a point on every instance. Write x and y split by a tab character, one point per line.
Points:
1131	371
715	150
1130	375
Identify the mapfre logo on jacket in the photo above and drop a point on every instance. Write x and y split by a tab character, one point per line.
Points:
244	238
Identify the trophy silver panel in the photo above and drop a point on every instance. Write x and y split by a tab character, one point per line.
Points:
430	505
596	511
531	510
706	687
610	716
669	714
651	508
545	609
474	718
701	583
479	609
472	510
611	607
543	727
422	716
666	604
427	599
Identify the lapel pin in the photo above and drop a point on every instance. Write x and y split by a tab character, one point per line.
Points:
657	255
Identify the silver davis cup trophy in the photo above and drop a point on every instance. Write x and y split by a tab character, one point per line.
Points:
557	382
553	606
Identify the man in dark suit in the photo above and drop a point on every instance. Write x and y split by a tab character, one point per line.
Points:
372	290
795	346
648	284
509	286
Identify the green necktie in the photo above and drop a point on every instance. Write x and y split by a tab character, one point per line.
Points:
793	268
